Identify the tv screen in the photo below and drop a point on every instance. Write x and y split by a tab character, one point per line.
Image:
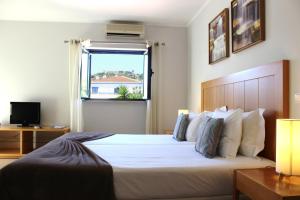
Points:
25	113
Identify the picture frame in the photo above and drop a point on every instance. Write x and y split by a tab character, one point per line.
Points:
247	23
218	43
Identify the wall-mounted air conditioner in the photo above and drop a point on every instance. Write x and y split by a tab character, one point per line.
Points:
125	30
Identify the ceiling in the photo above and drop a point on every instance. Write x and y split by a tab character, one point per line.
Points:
154	12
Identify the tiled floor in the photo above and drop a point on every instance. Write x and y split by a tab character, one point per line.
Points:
4	162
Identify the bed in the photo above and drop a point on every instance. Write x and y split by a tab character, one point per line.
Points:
139	161
158	167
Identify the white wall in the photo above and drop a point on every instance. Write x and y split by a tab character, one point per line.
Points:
282	42
34	67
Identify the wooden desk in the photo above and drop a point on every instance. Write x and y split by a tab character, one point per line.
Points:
265	184
17	141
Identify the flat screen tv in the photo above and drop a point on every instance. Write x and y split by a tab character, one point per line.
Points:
25	113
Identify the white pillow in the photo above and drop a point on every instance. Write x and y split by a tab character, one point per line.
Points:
191	131
223	108
193	115
231	134
195	120
253	137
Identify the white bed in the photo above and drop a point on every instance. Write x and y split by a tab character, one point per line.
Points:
158	167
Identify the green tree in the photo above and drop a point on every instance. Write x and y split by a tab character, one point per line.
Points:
135	96
123	92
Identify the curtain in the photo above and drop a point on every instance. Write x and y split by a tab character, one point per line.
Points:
153	121
75	51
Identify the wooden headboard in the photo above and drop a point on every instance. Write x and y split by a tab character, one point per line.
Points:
266	86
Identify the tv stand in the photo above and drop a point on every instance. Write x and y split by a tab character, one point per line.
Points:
21	126
17	141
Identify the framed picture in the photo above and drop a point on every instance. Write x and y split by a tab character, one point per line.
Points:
219	37
247	23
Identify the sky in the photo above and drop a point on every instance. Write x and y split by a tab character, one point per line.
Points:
117	62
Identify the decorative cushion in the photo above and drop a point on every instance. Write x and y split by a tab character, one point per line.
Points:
180	127
209	134
232	132
253	137
195	120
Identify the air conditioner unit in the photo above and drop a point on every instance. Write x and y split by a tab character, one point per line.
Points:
125	30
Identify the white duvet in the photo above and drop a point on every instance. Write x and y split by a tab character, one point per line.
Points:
159	167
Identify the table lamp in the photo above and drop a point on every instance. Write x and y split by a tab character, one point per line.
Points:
288	146
297	97
183	111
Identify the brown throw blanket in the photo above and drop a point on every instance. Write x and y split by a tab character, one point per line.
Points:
64	169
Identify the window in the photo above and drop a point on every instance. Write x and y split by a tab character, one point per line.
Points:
116	74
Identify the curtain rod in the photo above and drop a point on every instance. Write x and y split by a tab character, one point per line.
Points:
110	42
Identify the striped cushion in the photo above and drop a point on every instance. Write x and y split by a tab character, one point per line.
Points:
209	135
180	127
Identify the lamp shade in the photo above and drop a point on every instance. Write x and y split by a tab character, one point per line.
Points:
297	97
183	111
288	146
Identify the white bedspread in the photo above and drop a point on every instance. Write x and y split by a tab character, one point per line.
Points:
159	167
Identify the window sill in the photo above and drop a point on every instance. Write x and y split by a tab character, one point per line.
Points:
112	100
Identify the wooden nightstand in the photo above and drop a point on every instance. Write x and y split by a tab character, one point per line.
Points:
265	184
168	131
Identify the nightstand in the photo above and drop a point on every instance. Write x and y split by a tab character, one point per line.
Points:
168	131
265	184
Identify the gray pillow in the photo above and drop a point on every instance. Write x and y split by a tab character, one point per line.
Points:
180	127
209	135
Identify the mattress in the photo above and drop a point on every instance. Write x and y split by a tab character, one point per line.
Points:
159	167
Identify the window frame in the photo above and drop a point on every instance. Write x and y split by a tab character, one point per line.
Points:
87	73
147	51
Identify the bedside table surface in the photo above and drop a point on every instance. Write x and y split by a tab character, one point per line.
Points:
168	131
285	186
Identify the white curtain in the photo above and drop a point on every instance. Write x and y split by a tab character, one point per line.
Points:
153	121
75	51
